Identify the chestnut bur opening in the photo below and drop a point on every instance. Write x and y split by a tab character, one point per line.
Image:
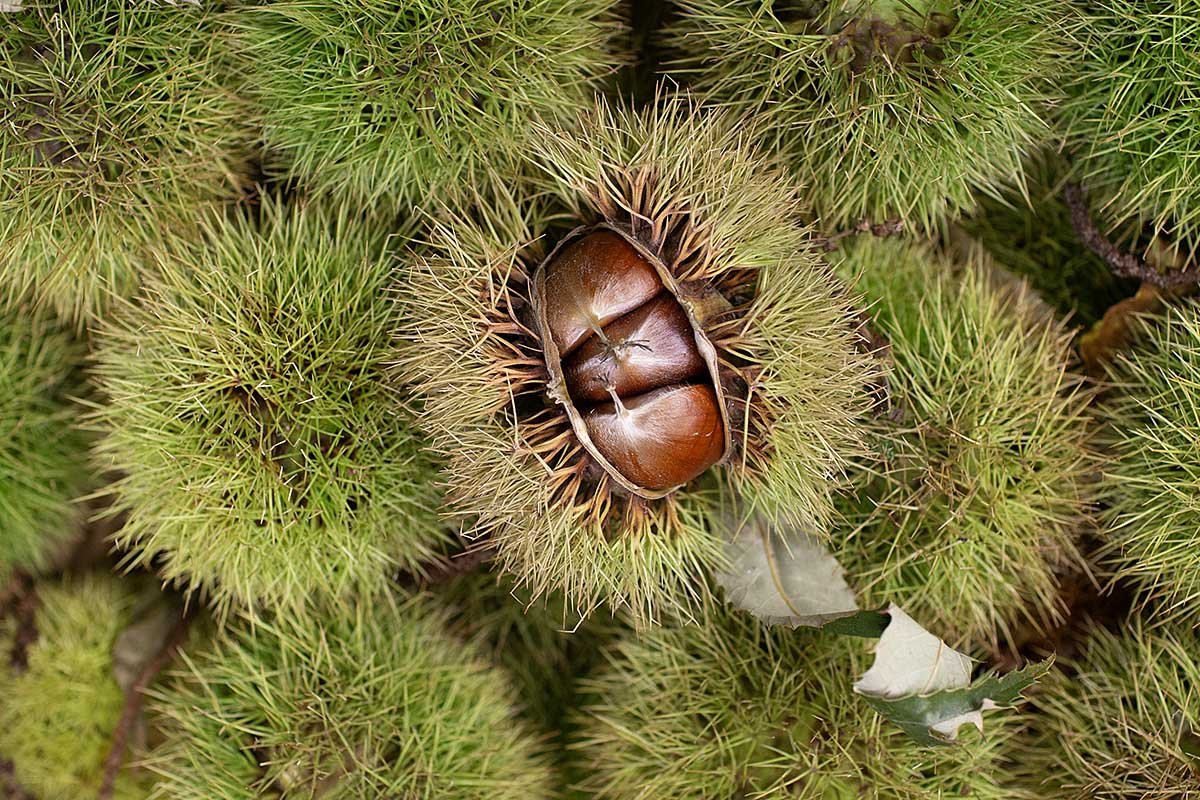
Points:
629	362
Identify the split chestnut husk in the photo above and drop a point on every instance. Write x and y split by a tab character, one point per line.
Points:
598	402
641	384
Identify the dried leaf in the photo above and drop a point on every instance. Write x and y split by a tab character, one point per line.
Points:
141	642
924	686
911	660
784	576
1111	333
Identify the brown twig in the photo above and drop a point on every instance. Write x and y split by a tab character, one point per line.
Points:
1125	265
133	702
889	227
444	570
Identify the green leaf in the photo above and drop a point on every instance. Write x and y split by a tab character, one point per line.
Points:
864	624
924	686
934	719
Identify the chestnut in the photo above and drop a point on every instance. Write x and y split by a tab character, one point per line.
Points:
594	281
662	438
649	347
628	361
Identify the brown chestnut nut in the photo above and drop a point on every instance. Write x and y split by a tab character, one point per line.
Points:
649	347
627	361
660	439
595	280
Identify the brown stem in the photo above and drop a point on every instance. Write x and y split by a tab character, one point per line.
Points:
1125	265
889	227
445	570
133	703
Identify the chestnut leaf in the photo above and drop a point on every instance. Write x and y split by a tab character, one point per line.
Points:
924	686
783	576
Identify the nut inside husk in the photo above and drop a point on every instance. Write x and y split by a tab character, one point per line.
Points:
629	361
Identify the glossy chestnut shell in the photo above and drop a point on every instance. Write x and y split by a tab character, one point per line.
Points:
629	362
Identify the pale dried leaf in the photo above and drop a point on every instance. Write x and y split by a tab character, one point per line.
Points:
911	660
138	644
922	685
783	576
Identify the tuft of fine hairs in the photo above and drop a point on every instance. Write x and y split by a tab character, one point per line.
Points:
884	109
728	707
43	455
62	701
394	101
1032	236
1119	720
120	123
1131	119
1153	420
369	699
